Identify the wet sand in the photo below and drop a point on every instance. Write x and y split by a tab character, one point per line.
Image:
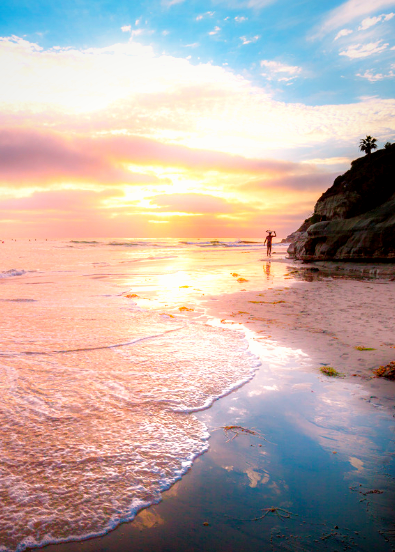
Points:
318	473
326	316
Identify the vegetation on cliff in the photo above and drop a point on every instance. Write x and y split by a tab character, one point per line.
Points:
369	183
355	217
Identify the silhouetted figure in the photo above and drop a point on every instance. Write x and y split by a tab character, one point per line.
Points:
268	240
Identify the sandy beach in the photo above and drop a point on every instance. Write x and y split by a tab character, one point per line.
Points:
326	316
309	463
197	276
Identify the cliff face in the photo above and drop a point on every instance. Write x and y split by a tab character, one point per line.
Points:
355	218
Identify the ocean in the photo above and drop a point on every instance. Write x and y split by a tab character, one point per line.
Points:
106	354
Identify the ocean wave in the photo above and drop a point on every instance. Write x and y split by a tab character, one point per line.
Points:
133	244
84	241
123	414
224	243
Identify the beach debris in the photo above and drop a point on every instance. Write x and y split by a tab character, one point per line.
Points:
206	523
234	274
366	500
233	431
166	314
182	309
365	348
240	280
277	511
268	302
131	295
329	371
387	371
185	287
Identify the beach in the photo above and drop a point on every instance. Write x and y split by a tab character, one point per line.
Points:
246	443
331	318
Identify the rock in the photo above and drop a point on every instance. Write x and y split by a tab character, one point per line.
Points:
355	218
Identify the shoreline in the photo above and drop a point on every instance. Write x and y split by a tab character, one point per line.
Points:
188	510
325	315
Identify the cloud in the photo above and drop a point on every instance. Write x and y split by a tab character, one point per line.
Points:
215	31
370	21
330	161
246	40
71	213
374	77
203	15
240	19
253	4
126	28
169	3
60	200
364	50
127	89
28	156
343	32
277	70
308	182
193	203
349	11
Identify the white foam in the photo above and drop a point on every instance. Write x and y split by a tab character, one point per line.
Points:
98	396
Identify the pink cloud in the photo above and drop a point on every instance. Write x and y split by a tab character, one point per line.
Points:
59	200
145	151
31	156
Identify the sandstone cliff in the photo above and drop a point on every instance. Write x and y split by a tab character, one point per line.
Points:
355	218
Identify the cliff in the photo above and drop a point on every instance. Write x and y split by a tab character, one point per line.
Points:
355	218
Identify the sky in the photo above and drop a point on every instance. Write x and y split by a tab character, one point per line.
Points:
184	118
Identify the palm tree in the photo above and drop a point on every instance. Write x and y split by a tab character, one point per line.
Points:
368	144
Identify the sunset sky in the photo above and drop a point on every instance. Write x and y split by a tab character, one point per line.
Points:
182	118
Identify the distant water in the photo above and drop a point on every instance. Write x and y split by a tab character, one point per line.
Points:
98	392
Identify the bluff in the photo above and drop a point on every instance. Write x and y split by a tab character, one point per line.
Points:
355	218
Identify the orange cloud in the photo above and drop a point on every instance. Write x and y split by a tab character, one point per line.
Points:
193	203
31	156
60	201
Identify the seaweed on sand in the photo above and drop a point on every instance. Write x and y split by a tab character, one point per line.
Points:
365	348
233	431
279	512
387	371
329	371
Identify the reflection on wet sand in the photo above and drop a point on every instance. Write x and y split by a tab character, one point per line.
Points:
328	457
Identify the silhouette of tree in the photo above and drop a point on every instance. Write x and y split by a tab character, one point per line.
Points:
387	145
368	144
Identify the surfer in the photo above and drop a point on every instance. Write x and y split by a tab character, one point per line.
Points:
269	238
